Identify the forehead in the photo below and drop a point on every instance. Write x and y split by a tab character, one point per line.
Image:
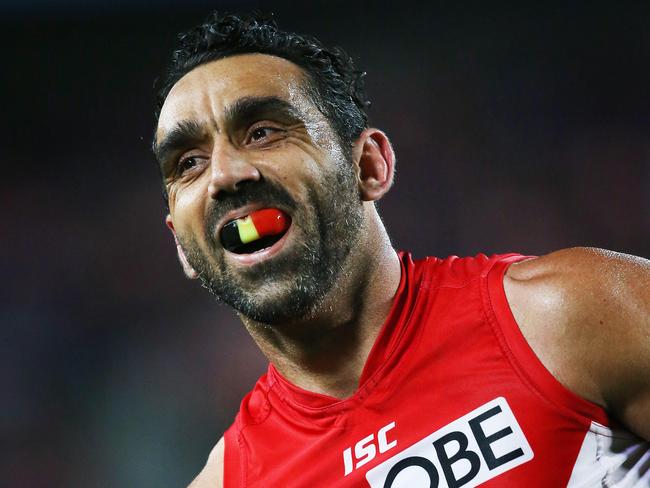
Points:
204	93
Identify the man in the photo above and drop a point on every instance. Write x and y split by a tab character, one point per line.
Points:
384	372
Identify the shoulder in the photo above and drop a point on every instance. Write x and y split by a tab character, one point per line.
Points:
586	314
584	262
581	283
212	474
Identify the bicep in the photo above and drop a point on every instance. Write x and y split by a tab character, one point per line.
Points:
620	318
212	474
586	313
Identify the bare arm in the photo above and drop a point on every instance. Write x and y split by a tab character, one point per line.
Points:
586	314
212	474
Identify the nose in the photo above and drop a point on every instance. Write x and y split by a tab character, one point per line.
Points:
228	171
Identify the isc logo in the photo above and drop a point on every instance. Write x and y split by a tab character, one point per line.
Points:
366	449
467	452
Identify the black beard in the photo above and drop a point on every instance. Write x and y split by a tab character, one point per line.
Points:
330	227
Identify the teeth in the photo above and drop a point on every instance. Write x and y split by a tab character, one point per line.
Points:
260	229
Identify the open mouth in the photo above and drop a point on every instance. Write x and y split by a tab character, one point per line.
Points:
255	232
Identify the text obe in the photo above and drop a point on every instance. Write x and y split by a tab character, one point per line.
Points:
366	449
479	446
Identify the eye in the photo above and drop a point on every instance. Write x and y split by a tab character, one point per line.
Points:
262	133
186	164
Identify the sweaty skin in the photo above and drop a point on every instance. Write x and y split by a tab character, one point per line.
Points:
584	312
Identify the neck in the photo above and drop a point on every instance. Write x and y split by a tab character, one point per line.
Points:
326	352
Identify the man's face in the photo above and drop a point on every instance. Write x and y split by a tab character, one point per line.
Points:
238	135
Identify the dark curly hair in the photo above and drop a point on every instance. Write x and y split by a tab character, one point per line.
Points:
334	85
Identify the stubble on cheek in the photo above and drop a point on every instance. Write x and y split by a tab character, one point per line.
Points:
259	289
292	284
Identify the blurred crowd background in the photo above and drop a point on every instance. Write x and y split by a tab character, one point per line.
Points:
517	128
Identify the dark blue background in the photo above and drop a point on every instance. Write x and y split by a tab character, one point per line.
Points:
516	129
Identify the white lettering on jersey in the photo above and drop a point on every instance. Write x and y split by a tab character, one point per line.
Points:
366	449
467	452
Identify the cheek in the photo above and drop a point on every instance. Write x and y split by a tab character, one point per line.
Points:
330	145
291	166
186	210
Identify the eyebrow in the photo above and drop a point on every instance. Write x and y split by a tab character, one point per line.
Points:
249	108
187	133
184	134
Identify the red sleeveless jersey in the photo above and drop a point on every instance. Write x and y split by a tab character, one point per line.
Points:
451	395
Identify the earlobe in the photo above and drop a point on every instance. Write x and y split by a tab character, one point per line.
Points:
376	161
187	268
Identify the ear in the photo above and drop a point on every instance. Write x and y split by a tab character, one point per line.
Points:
187	268
376	161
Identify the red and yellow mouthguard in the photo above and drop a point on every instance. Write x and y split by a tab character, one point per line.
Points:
266	225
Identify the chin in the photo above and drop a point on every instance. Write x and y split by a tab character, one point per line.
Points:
278	304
